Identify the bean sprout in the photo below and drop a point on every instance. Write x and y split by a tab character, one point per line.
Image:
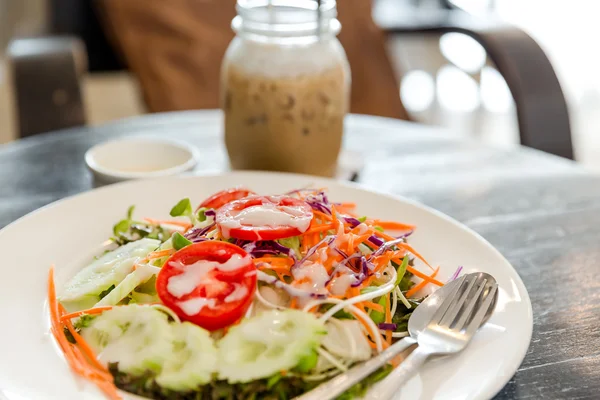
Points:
382	290
341	326
320	377
373	329
266	302
329	357
402	298
394	297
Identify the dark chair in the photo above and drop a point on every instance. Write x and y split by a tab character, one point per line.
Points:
52	100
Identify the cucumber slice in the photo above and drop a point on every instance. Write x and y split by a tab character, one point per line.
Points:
143	298
138	338
268	343
131	281
110	269
193	359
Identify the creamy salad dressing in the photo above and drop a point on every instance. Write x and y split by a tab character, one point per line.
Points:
239	292
195	305
317	277
266	214
340	284
193	274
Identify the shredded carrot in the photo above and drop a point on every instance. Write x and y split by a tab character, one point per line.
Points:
421	284
404	246
159	254
360	319
293	303
302	280
381	262
328	264
275	260
348	205
373	306
409	248
334	218
421	275
397	226
319	229
56	329
322	215
182	224
85	347
360	239
78	356
384	235
350	247
89	311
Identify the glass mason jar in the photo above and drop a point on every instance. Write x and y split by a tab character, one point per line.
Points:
285	87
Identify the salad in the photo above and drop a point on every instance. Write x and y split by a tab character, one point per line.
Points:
244	297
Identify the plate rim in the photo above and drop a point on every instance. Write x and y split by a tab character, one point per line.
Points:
521	351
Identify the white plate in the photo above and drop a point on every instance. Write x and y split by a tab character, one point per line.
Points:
70	231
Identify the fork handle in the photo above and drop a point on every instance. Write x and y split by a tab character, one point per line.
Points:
391	385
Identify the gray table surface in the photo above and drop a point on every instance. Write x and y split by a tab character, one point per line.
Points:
541	212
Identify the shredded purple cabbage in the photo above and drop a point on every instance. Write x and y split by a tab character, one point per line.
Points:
350	257
210	212
455	274
341	253
299	191
352	221
268	247
342	264
319	202
241	242
197	234
405	235
376	241
319	207
327	239
386	246
365	271
387	326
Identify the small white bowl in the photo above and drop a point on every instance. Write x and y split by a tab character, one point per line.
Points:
138	158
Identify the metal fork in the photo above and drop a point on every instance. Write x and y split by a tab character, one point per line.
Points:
450	330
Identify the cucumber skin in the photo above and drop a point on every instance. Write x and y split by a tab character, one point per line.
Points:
290	334
193	360
139	338
110	269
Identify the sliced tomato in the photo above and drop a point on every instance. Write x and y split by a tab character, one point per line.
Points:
210	284
264	218
223	197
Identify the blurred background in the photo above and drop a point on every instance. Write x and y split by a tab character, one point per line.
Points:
445	79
